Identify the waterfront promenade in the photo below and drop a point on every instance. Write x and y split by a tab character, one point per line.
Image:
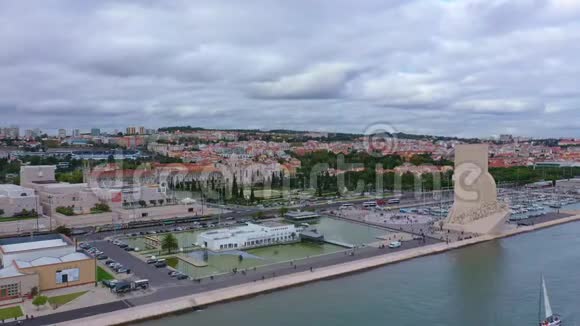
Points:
201	299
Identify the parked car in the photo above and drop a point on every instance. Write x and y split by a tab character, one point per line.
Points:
182	276
110	283
102	257
122	287
109	261
173	273
395	244
160	264
123	245
151	261
129	249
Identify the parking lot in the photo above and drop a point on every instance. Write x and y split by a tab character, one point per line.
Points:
138	269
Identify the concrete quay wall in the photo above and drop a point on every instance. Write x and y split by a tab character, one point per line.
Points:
190	302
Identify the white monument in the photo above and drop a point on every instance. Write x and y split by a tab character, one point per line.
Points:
475	208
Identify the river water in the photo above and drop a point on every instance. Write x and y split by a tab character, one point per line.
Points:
495	283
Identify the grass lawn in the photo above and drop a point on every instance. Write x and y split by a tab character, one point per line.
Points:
103	274
10	313
59	300
13	219
172	261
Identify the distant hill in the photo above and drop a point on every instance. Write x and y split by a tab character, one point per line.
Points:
332	136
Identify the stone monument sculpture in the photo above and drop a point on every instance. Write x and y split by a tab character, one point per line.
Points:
475	208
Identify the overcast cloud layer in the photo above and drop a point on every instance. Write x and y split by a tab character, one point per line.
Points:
464	68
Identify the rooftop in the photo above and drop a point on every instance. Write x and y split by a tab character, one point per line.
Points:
32	245
297	215
37	253
11	190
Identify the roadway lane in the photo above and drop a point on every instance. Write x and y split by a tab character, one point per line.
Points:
73	314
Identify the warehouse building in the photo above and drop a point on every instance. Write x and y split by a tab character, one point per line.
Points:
44	262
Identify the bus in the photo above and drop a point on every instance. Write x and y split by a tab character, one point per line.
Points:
345	206
394	201
369	204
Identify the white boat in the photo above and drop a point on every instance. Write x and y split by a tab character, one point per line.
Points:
548	318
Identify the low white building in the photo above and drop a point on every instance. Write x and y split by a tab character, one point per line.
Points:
15	199
248	236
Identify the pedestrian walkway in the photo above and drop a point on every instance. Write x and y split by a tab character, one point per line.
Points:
93	296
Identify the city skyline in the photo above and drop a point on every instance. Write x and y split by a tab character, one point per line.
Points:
451	68
102	132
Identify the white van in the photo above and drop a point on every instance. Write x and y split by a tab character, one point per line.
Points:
369	204
141	284
345	206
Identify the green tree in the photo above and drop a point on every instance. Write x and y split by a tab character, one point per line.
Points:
75	176
101	208
259	215
283	211
252	196
169	243
62	229
68	211
235	192
40	300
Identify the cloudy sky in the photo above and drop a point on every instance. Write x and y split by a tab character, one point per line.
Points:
463	67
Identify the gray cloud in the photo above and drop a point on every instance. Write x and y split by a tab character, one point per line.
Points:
467	68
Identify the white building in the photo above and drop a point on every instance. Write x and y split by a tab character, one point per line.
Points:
248	236
15	199
55	194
